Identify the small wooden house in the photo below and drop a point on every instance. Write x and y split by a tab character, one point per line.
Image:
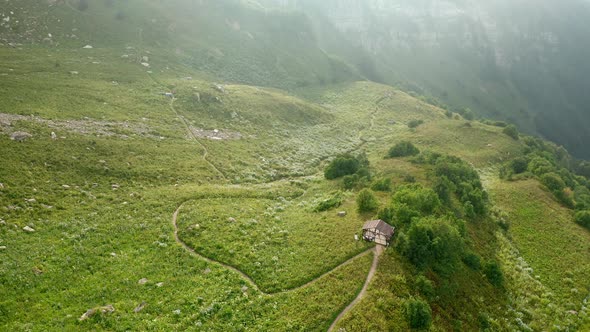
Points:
378	231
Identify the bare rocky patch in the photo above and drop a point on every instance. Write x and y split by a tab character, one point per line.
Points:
87	126
215	134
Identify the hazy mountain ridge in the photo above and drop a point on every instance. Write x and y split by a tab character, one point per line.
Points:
522	61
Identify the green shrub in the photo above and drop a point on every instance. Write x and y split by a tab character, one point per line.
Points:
341	166
434	243
553	182
350	181
405	214
382	185
415	124
418	314
366	201
468	114
330	203
583	218
519	165
424	286
472	260
423	200
511	131
494	273
386	214
403	149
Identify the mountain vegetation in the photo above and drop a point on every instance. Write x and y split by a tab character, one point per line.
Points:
209	166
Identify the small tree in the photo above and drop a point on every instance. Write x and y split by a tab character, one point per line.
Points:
424	286
494	273
403	149
583	218
418	313
511	131
366	201
553	181
519	165
341	166
415	124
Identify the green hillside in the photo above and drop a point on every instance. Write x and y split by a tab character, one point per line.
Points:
214	209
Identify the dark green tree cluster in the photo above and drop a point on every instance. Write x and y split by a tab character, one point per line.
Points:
433	242
453	176
511	131
352	169
418	313
555	168
403	149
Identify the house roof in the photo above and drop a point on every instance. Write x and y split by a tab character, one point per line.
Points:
381	226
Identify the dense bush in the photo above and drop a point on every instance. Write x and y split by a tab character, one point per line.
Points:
553	182
423	200
386	214
494	273
432	242
415	123
519	165
472	260
418	314
382	185
341	166
424	286
511	131
366	201
583	218
403	149
405	214
330	203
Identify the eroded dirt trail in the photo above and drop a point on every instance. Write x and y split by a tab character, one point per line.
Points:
377	251
250	280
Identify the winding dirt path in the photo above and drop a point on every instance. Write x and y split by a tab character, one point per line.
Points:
377	252
250	280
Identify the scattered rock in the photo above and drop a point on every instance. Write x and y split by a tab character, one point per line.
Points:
176	312
231	219
145	59
1	185
88	47
53	136
113	254
37	271
143	281
342	214
73	72
30	200
207	271
115	186
140	307
20	136
125	56
103	310
48	207
2	222
145	64
244	289
160	284
28	229
65	186
219	88
2	247
89	313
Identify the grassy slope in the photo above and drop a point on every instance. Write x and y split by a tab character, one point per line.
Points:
55	274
